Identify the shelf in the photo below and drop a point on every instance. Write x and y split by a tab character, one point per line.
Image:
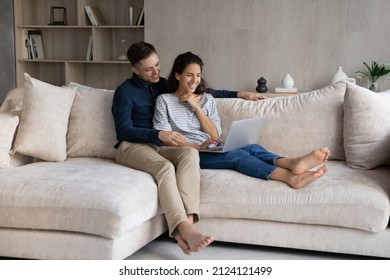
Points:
66	46
80	27
73	61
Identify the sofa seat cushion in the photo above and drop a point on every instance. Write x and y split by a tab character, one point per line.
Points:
88	195
344	197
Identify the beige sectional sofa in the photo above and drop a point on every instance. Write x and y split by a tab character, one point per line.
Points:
62	196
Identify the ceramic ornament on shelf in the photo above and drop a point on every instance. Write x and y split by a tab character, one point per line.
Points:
338	76
262	85
288	82
287	85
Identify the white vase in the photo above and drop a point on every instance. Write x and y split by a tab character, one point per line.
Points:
288	81
338	76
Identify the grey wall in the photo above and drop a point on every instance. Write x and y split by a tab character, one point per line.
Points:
7	51
241	40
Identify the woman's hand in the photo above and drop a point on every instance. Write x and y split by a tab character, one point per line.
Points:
190	98
205	145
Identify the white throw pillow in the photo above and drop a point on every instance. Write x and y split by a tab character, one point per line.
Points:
91	131
44	120
8	124
366	127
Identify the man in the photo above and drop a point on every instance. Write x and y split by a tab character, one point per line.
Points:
175	169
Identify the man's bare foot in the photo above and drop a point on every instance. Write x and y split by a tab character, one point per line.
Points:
195	240
183	245
299	181
304	163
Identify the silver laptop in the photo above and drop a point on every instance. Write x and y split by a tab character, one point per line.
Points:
241	133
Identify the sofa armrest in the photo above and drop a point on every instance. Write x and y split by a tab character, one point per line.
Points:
13	100
8	128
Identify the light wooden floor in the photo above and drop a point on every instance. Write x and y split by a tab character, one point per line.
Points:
164	248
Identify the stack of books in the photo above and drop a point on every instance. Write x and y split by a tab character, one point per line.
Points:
33	44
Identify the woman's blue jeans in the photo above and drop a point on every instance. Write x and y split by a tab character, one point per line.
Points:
252	160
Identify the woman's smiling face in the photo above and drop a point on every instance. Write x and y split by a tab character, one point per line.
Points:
190	78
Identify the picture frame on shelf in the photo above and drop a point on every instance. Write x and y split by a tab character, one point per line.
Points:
58	16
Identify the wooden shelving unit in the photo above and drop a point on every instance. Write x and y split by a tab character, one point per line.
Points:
65	46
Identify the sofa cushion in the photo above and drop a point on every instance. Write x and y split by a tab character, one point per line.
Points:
366	127
344	197
89	195
44	120
91	131
294	125
8	124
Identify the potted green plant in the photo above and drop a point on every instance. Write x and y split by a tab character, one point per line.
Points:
373	72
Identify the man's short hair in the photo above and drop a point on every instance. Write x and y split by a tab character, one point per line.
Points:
139	51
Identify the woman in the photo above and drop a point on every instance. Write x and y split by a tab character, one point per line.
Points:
193	112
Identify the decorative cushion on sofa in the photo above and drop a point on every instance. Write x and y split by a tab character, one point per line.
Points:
294	125
44	120
8	124
366	127
91	131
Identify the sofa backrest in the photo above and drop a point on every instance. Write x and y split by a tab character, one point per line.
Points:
296	124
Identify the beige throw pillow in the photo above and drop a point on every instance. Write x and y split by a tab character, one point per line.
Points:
294	125
8	124
44	120
366	127
91	131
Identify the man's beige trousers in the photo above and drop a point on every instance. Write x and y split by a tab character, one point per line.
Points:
177	175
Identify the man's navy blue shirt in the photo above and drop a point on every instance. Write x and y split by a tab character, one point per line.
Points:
133	109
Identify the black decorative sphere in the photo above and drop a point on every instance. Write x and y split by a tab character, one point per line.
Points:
261	85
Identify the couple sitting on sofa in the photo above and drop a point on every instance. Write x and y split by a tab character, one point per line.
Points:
155	136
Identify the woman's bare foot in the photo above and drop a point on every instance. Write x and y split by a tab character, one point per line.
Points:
302	164
195	240
299	181
183	245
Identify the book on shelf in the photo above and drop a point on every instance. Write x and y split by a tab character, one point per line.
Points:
26	54
141	16
98	15
95	15
91	15
89	50
130	15
35	44
286	90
